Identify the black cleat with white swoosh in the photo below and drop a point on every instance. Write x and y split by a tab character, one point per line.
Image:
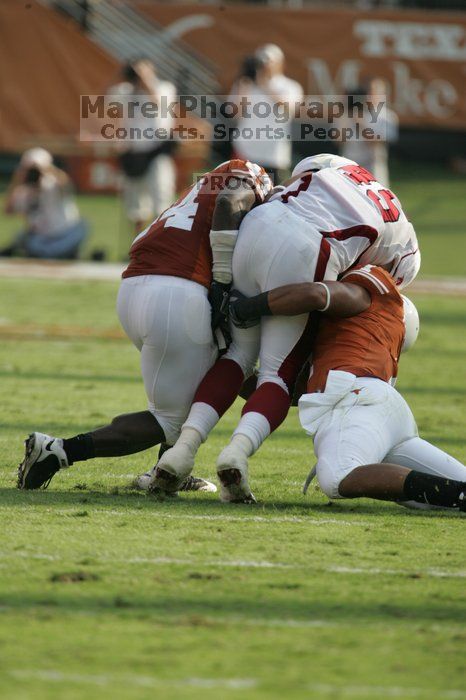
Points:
43	457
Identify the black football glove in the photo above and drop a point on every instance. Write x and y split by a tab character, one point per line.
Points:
219	297
237	303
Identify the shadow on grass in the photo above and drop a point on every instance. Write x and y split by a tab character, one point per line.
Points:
199	504
197	609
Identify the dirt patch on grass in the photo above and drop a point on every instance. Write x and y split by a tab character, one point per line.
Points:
74	577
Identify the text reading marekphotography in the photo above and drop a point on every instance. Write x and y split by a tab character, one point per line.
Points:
135	118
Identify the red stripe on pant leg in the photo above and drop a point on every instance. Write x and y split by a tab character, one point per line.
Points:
272	401
220	386
293	363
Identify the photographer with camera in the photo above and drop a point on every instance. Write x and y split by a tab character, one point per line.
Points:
43	194
264	83
149	176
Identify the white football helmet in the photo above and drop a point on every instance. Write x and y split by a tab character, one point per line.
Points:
319	162
411	324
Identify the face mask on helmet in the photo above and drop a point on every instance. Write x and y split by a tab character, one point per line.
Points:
411	319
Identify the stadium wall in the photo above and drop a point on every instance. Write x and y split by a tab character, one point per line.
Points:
420	54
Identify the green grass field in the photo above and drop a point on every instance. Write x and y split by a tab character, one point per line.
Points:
105	592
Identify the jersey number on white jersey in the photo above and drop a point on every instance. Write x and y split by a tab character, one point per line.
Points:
382	198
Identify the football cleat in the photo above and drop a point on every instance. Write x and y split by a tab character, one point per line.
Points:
163	482
191	483
142	481
232	471
173	467
195	483
43	457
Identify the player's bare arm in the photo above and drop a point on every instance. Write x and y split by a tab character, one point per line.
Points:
334	298
340	299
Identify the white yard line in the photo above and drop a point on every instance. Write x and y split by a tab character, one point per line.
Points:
446	286
77	271
54	676
245	621
57	270
139	681
261	564
433	573
240	620
373	691
27	555
226	518
235	563
248	564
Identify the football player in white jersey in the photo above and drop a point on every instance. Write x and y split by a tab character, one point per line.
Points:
329	216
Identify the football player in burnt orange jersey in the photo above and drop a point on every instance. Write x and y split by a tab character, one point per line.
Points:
365	436
170	303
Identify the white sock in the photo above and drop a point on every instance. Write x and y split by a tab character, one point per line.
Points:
202	418
255	426
191	438
242	443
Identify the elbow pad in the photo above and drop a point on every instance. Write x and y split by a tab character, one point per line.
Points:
222	244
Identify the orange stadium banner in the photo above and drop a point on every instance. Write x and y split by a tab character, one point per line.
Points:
47	62
422	55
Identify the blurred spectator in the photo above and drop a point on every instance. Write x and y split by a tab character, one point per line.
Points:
43	194
263	81
149	172
373	155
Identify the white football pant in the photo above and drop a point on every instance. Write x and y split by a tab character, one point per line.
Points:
275	247
362	420
168	320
